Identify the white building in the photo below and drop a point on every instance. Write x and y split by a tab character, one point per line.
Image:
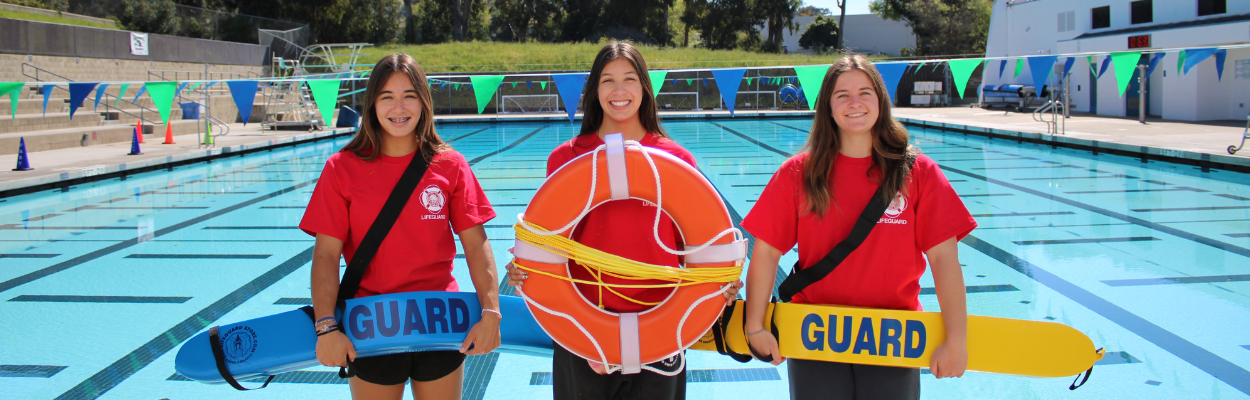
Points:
1041	27
865	33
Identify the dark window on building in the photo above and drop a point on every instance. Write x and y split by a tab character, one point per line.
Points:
1212	7
1101	17
1143	12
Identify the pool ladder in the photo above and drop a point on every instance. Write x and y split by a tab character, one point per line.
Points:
1244	135
1057	124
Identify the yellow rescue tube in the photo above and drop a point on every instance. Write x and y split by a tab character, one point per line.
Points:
909	338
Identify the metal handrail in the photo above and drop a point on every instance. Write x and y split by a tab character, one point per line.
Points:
225	128
107	96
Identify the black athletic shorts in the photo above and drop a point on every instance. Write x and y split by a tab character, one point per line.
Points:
397	369
572	379
832	380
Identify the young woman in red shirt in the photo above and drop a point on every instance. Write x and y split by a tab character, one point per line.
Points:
854	147
417	254
618	99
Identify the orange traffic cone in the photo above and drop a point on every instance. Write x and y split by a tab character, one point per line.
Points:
139	129
169	134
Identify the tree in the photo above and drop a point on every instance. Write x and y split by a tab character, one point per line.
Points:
724	20
780	15
820	35
516	20
942	27
690	17
638	20
813	11
444	21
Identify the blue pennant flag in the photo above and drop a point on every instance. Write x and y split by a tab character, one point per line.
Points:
1106	62
674	82
1154	62
99	92
728	81
78	91
1041	66
1067	66
1195	56
208	85
704	81
181	86
244	94
529	85
891	73
1219	63
47	93
1002	66
570	87
142	89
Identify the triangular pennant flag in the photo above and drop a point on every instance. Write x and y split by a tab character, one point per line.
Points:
543	84
728	81
922	63
657	81
1040	67
78	91
891	73
1219	63
195	85
181	86
812	76
961	71
1067	66
325	93
689	82
210	84
1195	56
1092	69
1154	62
1002	66
99	92
1180	61
121	94
142	90
674	82
13	89
529	85
1106	62
1019	67
484	87
244	94
1125	62
570	87
47	94
162	95
704	81
514	85
749	81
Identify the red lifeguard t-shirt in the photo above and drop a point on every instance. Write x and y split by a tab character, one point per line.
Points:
417	254
623	228
884	272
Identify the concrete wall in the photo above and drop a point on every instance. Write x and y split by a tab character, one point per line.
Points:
33	37
865	33
106	69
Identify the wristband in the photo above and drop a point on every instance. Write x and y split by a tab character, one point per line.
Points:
327	331
492	311
762	330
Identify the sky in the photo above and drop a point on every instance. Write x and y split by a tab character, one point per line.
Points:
852	6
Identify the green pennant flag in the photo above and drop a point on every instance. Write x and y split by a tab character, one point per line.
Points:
811	77
325	93
544	84
1180	62
1092	69
193	86
689	82
749	81
121	94
961	71
1124	63
922	63
162	95
12	89
484	87
657	80
1019	67
514	85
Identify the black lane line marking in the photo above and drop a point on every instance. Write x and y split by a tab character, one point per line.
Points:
757	142
747	173
281	207
1155	182
1032	214
100	299
1204	220
1031	167
477	159
1075	177
538	160
742	164
248	180
72	228
27	255
1047	226
1190	209
133	208
310	239
468	134
1199	357
21	280
30	371
986	194
1234	197
201	193
116	200
982	159
1175	189
976	289
1093	240
695	376
1117	357
249	227
1178	280
737	157
41	217
313	377
128	365
748	185
509	205
1237	235
201	256
294	301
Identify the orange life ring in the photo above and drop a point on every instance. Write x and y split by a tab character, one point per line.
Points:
695	207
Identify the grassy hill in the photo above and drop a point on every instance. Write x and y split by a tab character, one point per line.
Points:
48	18
502	56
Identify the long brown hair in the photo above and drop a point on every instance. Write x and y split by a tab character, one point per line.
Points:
368	141
648	112
889	140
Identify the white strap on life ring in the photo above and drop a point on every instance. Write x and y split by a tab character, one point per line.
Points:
631	352
618	175
728	252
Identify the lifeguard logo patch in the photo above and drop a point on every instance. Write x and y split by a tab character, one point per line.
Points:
238	344
432	198
895	209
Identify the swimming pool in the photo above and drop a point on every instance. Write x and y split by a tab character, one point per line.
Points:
100	283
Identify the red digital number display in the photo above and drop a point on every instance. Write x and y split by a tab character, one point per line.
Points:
1137	42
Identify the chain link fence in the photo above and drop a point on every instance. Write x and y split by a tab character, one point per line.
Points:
168	18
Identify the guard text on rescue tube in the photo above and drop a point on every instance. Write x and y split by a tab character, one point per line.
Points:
886	337
437	316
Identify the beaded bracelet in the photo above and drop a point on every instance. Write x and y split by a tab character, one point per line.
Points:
492	311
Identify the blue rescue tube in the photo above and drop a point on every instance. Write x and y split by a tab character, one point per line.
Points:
376	325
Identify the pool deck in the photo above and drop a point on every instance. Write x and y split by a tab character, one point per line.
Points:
1194	143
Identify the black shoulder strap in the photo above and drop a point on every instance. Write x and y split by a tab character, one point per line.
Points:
381	227
800	279
214	342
